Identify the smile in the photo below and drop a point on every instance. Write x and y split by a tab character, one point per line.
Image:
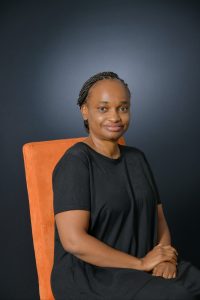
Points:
114	128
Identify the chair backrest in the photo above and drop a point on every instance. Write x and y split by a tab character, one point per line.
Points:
40	159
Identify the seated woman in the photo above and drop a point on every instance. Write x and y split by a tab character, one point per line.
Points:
112	240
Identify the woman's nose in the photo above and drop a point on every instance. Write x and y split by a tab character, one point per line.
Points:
114	116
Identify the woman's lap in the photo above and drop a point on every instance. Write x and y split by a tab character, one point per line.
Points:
186	285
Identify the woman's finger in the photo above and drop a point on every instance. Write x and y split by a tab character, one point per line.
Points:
155	273
174	275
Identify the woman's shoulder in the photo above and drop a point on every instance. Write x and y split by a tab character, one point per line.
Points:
74	155
76	151
80	149
80	152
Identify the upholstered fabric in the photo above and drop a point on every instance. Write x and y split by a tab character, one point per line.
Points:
40	159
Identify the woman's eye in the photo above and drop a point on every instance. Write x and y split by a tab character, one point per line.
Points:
124	108
101	108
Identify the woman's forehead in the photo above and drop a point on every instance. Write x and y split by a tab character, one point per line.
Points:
108	101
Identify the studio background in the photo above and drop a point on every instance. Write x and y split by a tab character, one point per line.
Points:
48	50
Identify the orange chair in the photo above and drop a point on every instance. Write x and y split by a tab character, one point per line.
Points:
40	159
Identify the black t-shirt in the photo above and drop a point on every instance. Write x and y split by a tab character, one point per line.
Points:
122	197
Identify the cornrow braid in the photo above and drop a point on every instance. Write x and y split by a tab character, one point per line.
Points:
89	83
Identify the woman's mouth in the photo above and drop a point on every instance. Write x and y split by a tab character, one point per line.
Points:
114	128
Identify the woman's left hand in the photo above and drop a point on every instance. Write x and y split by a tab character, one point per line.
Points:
165	269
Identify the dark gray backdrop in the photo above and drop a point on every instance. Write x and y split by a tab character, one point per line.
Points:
48	49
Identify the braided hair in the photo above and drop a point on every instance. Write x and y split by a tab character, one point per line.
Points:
88	84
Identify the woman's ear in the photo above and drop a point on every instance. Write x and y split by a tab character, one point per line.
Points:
84	111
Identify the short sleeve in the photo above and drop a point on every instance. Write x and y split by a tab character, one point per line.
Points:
71	185
151	177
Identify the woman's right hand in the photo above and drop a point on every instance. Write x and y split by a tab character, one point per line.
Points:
157	255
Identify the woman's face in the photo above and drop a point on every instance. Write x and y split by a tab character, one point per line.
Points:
107	109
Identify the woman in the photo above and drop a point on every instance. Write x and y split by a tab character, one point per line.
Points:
111	238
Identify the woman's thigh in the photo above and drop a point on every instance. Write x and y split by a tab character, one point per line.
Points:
163	289
186	285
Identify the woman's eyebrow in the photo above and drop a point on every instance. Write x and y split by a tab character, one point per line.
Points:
106	102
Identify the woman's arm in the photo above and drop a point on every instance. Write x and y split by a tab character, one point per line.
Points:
73	232
96	252
164	236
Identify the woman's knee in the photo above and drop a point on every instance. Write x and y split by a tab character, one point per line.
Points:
178	292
